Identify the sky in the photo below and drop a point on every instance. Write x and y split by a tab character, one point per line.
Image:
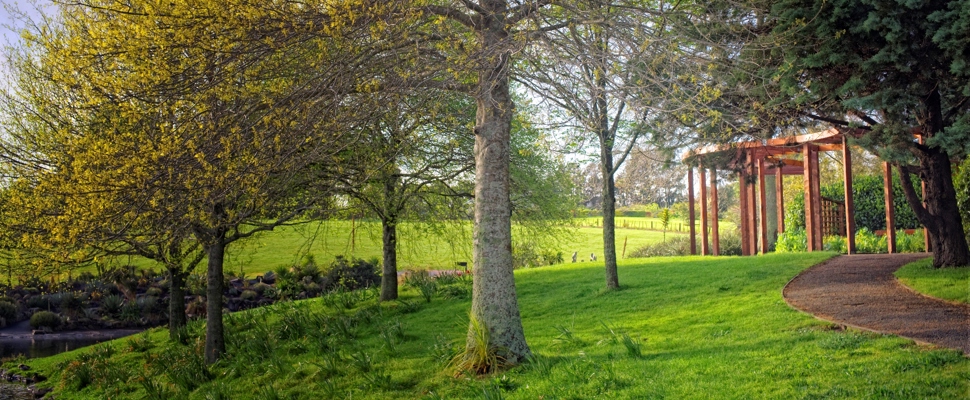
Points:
11	22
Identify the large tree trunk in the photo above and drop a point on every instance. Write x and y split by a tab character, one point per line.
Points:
176	302
941	217
389	273
494	303
609	213
215	343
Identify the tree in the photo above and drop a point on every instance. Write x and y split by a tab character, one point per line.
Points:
648	177
887	68
175	109
492	32
587	71
407	158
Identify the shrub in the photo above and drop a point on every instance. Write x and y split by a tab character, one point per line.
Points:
154	291
261	287
249	295
8	311
309	269
792	241
423	282
70	302
675	246
111	304
41	301
869	200
352	274
907	243
130	312
834	243
148	304
868	242
45	319
527	255
730	243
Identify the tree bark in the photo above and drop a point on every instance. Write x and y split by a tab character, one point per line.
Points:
389	273
609	213
494	302
940	216
215	344
176	302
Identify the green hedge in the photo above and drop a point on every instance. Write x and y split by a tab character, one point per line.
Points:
870	205
961	180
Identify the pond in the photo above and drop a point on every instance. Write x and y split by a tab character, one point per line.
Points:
17	340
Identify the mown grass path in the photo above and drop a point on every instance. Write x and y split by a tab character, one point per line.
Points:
861	291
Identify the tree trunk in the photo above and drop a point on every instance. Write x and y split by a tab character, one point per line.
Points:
176	302
494	303
940	216
609	214
389	274
215	344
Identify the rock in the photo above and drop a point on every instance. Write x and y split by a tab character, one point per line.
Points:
269	278
39	392
24	367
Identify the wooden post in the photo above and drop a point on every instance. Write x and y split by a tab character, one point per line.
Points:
813	204
890	211
705	247
715	235
926	232
690	210
763	207
752	206
743	205
849	203
780	197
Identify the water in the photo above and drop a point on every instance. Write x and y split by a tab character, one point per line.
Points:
17	340
42	347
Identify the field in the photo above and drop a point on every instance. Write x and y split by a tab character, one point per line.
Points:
420	246
688	327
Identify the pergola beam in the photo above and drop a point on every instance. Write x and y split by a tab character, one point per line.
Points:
763	206
715	235
705	247
690	211
849	201
887	170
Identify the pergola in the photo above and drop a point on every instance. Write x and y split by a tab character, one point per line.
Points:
757	162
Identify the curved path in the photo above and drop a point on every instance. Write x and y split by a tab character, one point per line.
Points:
861	291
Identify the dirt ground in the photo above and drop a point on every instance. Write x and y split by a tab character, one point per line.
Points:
861	291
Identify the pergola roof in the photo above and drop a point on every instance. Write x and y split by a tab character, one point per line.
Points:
771	150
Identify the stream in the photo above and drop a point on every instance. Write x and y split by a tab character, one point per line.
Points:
18	340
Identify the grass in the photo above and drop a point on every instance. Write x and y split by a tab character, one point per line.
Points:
688	327
650	223
951	284
419	247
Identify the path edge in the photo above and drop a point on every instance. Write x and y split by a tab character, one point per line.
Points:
856	327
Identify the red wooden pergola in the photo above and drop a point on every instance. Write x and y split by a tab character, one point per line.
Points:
757	161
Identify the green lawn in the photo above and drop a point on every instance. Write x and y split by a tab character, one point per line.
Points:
651	223
951	284
688	327
419	248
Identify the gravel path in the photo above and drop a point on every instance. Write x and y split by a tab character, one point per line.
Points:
861	291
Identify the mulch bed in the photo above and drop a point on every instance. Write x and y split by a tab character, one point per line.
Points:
861	291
